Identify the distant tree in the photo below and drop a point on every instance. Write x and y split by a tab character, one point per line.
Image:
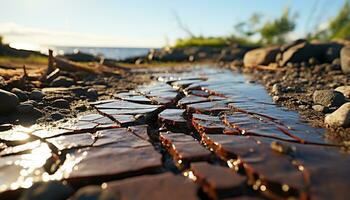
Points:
339	26
0	40
275	31
246	29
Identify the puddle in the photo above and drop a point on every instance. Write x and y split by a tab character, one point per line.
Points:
210	123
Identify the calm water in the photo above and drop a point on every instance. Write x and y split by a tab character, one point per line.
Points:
111	52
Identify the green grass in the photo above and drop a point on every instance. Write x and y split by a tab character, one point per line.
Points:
32	59
201	41
214	42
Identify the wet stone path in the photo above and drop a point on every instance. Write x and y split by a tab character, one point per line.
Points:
203	133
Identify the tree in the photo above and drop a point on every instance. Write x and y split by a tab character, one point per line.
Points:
0	40
339	27
246	29
275	31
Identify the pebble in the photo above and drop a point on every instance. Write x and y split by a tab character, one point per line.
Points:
345	90
8	102
92	93
320	108
53	190
60	103
328	98
276	88
340	117
56	116
345	59
22	96
62	81
36	95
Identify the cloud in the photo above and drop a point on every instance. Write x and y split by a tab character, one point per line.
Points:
13	32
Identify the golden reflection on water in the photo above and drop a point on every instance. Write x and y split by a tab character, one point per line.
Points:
21	171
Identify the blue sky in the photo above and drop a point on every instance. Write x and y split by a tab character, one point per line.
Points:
143	23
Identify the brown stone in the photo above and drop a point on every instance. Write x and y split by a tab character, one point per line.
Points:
184	148
218	181
105	163
162	186
261	56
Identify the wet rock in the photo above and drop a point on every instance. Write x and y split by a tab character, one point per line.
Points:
62	81
56	116
92	93
345	59
22	96
25	108
8	102
36	95
53	190
60	103
320	108
261	56
340	117
95	193
218	181
328	98
345	90
157	187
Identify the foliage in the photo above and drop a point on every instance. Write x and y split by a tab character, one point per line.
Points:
339	27
202	41
275	31
0	40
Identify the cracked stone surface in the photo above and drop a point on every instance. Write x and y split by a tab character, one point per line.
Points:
199	133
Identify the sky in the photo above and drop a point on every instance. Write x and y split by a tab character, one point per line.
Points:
144	23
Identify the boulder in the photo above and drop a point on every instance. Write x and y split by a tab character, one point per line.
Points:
261	56
328	98
340	117
344	89
8	102
345	59
305	51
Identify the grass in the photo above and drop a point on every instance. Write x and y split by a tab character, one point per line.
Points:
32	59
214	42
201	41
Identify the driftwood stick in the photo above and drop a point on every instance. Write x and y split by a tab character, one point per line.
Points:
269	68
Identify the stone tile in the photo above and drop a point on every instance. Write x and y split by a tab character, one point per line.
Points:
218	181
184	149
106	163
162	186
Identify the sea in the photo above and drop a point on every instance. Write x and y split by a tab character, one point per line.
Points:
117	53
